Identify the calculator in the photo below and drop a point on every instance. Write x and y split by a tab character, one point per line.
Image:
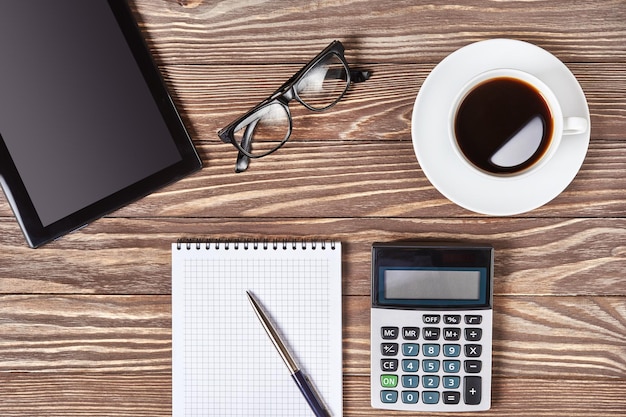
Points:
431	327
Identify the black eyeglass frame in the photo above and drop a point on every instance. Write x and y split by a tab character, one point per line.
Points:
282	96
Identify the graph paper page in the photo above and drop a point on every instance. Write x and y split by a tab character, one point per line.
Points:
224	364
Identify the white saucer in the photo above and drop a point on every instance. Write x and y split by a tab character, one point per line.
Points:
445	169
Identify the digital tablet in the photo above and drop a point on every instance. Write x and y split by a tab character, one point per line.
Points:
86	123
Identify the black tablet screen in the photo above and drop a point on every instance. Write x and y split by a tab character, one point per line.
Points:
75	112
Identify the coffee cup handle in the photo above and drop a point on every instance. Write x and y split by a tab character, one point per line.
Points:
574	125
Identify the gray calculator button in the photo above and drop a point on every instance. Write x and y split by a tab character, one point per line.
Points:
388	396
410	397
472	390
410	381
430	397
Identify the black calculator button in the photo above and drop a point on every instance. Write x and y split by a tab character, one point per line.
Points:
453	319
389	349
410	333
473	335
389	365
473	351
472	390
431	318
451	397
473	366
389	333
473	319
431	333
451	333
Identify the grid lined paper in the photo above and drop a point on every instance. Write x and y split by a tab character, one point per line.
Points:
224	364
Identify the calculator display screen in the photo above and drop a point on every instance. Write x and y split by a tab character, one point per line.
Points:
408	275
432	284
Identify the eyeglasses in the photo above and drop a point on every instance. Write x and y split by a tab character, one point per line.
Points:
318	86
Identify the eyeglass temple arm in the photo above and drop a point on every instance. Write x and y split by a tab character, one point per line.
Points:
243	160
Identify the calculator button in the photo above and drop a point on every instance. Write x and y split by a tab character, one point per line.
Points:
451	351
389	381
389	333
452	319
473	319
389	349
410	365
410	333
410	397
389	365
451	382
473	335
473	351
451	333
430	381
430	350
410	381
388	396
451	367
410	349
451	397
431	318
472	366
430	365
472	390
430	397
431	333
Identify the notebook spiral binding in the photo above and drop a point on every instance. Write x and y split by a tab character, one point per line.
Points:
254	244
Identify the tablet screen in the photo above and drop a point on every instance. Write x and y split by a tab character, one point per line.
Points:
80	112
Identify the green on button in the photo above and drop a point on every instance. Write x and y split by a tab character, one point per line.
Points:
389	381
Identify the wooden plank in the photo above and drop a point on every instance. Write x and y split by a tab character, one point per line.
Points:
543	337
149	394
534	337
356	179
549	256
194	31
378	109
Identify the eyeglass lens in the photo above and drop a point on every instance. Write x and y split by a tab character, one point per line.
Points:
319	88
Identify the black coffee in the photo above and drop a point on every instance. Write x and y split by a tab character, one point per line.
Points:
492	116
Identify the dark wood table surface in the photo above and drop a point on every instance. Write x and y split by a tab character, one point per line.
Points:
85	321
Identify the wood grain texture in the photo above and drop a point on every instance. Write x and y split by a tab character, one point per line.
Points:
148	394
364	179
582	338
85	321
546	257
398	31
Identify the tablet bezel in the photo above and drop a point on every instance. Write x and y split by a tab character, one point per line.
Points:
18	197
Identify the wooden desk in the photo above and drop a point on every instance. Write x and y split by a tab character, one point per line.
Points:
85	325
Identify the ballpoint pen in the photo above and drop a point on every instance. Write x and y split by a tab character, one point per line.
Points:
302	381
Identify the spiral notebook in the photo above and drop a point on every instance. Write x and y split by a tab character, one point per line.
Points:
223	362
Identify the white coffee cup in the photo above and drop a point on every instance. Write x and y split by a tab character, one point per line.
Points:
528	147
